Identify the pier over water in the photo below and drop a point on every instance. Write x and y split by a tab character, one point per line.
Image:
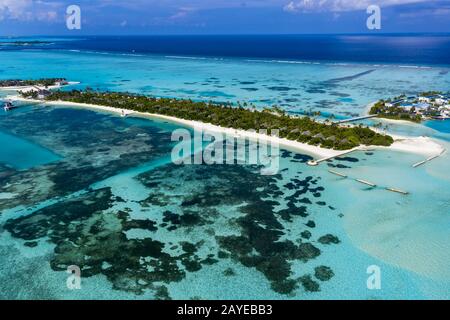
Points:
356	119
421	163
368	183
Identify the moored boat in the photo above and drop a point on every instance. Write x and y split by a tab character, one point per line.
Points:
441	118
8	106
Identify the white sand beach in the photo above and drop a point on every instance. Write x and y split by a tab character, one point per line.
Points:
420	145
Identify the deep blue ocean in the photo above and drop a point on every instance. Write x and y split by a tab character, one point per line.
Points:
396	48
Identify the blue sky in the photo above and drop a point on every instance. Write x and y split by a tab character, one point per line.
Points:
47	17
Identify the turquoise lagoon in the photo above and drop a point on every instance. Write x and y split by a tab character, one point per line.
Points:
342	89
102	193
21	154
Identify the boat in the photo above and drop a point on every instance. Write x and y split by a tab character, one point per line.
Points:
8	106
442	118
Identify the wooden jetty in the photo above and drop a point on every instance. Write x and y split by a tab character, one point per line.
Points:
366	183
397	191
370	184
356	119
314	163
418	164
360	148
338	174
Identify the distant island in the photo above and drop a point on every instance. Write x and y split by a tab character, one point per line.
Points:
426	105
301	129
47	82
24	43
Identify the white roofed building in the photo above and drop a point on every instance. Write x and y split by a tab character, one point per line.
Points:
440	101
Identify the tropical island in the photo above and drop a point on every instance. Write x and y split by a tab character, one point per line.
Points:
426	105
47	82
300	129
25	43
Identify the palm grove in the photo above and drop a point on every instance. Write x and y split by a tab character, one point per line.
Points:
301	129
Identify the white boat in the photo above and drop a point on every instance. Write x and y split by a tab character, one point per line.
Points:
442	118
8	106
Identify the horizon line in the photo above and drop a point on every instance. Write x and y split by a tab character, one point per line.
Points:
227	34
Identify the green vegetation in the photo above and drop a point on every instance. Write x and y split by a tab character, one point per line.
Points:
394	112
430	93
39	82
24	43
408	108
302	129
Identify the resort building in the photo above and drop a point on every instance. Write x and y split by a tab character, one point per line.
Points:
424	99
422	106
440	101
445	110
42	94
407	105
62	83
435	106
396	103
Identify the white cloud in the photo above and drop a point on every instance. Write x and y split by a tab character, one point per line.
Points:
341	5
182	13
47	16
28	10
13	9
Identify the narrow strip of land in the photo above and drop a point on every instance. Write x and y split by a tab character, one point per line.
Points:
356	119
295	133
254	136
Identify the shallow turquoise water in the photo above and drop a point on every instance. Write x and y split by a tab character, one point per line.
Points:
204	217
22	154
297	87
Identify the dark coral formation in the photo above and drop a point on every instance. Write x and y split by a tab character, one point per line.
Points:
92	237
259	243
329	239
233	213
93	146
323	273
309	284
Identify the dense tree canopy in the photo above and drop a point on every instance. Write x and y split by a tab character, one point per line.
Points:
394	112
39	82
302	129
